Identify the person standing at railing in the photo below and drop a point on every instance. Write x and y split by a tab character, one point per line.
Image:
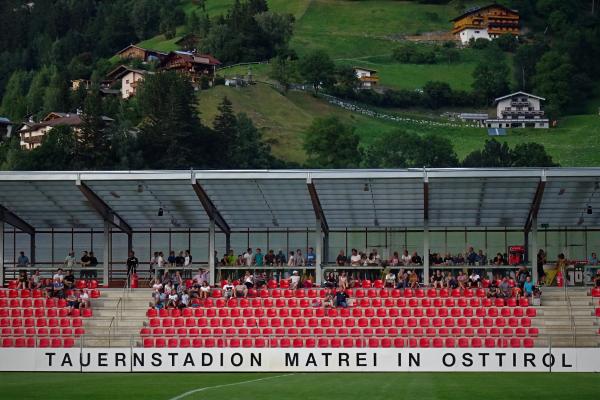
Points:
85	262
93	264
22	261
70	260
132	264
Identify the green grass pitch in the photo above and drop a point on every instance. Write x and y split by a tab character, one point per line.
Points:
305	386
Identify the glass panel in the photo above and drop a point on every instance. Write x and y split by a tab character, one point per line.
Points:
258	240
576	245
239	242
337	242
312	240
43	248
476	239
555	244
82	241
437	242
62	246
397	241
160	242
414	241
119	248
141	246
98	245
297	240
496	244
593	242
357	240
9	249
220	243
23	244
278	241
199	248
456	243
377	240
179	241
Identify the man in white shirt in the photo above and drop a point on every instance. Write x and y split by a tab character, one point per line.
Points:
58	275
227	289
406	259
355	258
294	280
248	257
70	260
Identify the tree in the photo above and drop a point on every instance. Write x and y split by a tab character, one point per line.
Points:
225	127
283	70
493	155
400	149
93	146
526	57
346	78
14	104
553	80
250	151
145	18
331	144
531	155
437	94
491	79
317	69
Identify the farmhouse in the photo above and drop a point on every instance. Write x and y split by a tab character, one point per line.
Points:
518	110
193	65
487	22
129	77
32	133
133	52
367	77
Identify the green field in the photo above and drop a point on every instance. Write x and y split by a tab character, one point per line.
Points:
329	386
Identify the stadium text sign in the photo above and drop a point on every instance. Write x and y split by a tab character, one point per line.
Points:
298	360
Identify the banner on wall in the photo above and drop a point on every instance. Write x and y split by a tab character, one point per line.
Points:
301	360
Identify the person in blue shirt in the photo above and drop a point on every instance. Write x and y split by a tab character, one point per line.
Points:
259	258
311	257
528	287
22	261
593	260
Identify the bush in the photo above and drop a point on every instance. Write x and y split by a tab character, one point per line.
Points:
507	42
479	44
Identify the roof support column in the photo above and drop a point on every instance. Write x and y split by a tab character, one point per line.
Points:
426	253
32	248
211	252
1	253
227	243
533	247
106	253
318	251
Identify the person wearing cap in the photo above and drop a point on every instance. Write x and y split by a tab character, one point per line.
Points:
294	280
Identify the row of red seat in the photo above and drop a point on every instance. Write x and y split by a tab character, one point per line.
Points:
45	312
339	342
67	342
40	293
340	312
42	331
360	293
41	322
35	303
391	332
339	322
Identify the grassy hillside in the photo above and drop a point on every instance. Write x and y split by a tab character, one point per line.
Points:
283	119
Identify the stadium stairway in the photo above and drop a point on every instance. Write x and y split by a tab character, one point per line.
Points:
571	317
118	317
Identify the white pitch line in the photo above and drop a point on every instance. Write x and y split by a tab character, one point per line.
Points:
181	396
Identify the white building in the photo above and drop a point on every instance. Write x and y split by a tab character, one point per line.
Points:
129	77
519	110
368	77
468	34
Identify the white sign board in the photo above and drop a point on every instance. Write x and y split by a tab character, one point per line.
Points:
301	360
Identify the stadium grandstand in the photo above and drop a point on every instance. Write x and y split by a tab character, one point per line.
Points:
423	258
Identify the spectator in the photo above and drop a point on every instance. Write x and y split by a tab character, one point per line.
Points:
482	258
462	280
270	258
205	290
341	259
458	260
355	258
132	263
93	265
231	258
23	280
528	287
184	299
84	299
69	280
341	299
153	262
294	280
157	288
451	281
402	279
73	301
499	260
390	279
85	262
597	278
58	288
438	279
291	260
474	279
541	260
416	259
372	260
179	260
328	301
561	264
160	264
299	260
505	289
171	259
70	260
187	261
172	299
260	280
240	290
58	275
311	257
259	258
492	291
280	258
343	281
593	260
395	259
406	259
248	257
330	282
249	280
448	259
49	288
35	280
22	261
413	279
178	281
227	290
471	256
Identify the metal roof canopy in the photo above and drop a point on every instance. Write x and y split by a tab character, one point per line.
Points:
279	199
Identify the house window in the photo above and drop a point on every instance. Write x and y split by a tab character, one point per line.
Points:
127	81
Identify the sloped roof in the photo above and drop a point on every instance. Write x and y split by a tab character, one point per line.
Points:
477	9
518	93
123	70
